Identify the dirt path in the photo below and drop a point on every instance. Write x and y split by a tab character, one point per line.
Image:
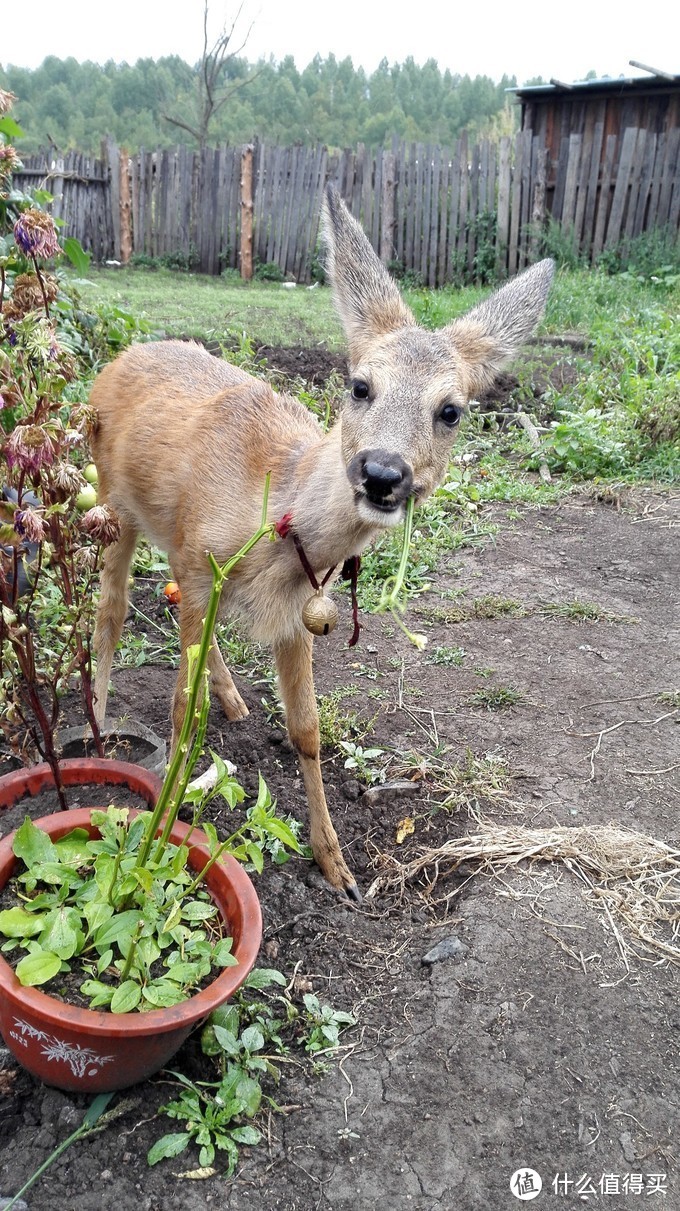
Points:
532	1045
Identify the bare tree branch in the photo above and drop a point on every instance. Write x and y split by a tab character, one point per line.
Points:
212	95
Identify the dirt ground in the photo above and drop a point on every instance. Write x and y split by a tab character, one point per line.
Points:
533	1045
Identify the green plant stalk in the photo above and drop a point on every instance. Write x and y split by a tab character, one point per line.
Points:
131	953
95	1112
391	598
212	860
179	762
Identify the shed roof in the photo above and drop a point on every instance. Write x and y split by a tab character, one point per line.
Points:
654	79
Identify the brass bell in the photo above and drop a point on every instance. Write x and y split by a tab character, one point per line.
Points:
320	614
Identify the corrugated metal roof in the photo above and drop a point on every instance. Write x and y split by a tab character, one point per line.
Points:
654	77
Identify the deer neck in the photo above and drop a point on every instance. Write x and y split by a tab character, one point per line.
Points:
321	500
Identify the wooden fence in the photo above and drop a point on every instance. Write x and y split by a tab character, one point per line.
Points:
441	214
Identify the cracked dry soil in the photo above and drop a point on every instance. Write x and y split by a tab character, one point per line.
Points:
530	1047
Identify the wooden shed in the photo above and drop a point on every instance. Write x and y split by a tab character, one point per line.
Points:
557	110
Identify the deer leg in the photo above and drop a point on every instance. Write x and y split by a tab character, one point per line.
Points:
222	683
111	612
294	664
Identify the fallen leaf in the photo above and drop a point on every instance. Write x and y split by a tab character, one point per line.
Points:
405	828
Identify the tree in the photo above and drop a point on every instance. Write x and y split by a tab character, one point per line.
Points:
215	78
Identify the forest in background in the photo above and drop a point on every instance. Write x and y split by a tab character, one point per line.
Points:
74	105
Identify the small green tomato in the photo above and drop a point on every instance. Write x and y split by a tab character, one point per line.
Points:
86	499
90	473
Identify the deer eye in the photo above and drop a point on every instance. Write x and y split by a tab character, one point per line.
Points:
450	415
360	389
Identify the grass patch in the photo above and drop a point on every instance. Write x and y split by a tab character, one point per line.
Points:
496	698
449	657
196	305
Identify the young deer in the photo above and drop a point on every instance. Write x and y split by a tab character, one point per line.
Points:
184	442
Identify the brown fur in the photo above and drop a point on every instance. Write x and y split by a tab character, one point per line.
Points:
184	442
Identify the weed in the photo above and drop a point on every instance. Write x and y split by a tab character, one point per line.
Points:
247	1040
360	761
481	670
450	657
669	698
496	698
580	611
336	724
476	778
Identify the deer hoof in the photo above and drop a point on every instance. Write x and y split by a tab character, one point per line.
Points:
235	709
352	892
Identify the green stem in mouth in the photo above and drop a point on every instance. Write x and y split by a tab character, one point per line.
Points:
394	594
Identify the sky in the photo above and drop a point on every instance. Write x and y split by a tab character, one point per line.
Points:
525	38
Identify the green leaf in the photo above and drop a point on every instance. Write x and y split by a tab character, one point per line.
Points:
104	961
256	856
162	993
246	1135
100	994
168	1145
120	926
32	845
221	953
252	1039
77	255
60	933
73	849
37	968
196	911
97	913
10	128
126	997
227	1041
184	973
262	977
17	923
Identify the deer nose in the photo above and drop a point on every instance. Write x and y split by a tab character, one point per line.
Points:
379	479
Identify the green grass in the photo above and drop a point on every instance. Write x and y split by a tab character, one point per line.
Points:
213	308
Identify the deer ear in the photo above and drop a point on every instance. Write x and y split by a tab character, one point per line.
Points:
367	299
490	335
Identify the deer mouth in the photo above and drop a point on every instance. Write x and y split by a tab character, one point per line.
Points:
382	483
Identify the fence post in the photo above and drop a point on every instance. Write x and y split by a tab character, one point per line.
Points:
387	207
125	207
247	212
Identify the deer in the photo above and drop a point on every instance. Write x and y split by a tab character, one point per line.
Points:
184	440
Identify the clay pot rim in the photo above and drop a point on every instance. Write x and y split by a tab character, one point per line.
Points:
227	872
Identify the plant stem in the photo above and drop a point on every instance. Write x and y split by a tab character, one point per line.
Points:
93	1114
183	757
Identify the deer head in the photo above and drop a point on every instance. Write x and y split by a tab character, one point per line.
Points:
409	387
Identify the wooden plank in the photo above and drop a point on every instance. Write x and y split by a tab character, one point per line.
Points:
640	158
645	183
387	221
605	196
560	179
373	228
247	212
454	204
657	173
628	145
409	239
588	229
463	193
433	222
504	184
471	232
515	202
444	208
668	177
418	214
538	205
110	155
571	184
425	213
582	189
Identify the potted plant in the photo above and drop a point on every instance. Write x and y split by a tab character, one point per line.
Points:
146	909
52	531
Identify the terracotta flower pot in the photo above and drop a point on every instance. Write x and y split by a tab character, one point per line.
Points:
89	1051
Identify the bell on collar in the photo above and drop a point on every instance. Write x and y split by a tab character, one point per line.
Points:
320	614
